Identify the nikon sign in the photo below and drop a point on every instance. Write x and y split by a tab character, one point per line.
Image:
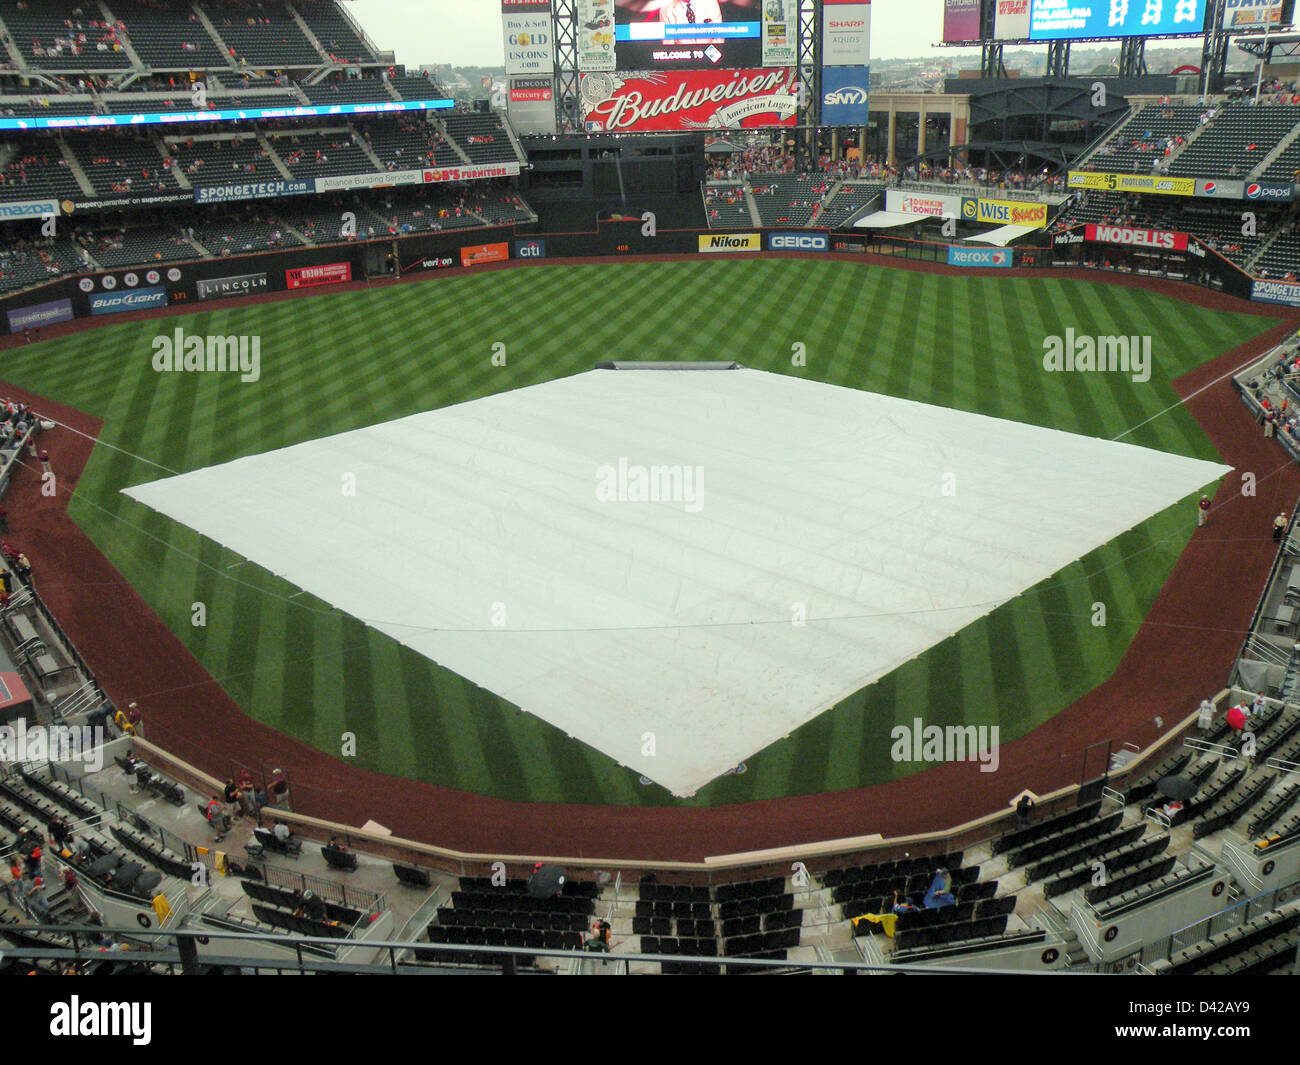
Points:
731	242
530	42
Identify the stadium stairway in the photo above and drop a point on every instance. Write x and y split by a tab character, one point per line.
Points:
754	216
271	154
451	141
16	56
216	37
307	32
74	168
125	38
1276	152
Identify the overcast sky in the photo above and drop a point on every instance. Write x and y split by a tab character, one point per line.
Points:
468	32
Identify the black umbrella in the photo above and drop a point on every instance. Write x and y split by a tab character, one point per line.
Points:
1176	788
547	880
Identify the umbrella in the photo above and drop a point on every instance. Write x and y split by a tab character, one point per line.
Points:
547	880
1176	788
1236	717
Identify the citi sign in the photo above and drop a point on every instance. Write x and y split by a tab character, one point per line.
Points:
530	249
798	242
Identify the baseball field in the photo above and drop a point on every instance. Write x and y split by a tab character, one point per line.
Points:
343	360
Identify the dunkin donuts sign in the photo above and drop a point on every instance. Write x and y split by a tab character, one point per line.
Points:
656	101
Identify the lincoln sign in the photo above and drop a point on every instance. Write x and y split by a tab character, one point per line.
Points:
689	99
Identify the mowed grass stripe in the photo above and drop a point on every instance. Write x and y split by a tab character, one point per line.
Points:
417	347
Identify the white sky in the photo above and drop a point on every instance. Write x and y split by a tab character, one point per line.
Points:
468	32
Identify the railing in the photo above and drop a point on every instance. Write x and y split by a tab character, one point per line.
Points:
176	950
1229	917
946	188
12	459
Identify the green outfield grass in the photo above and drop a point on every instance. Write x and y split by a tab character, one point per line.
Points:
335	362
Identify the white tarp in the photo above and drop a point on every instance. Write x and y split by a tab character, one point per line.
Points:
1002	236
889	219
664	633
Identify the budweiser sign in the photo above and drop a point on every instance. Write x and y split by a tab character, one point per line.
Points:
1141	238
689	99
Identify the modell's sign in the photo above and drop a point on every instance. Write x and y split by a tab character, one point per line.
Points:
1139	238
689	100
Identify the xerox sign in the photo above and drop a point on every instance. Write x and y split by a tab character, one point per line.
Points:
798	242
978	256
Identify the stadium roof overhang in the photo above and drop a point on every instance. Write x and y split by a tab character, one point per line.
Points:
888	220
1003	235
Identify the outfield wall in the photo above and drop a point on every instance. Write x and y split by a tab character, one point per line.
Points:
309	270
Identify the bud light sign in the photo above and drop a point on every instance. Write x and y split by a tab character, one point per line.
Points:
530	249
844	96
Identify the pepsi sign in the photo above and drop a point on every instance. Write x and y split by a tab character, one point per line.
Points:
1268	191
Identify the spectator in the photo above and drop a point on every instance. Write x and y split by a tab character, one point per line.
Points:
1023	809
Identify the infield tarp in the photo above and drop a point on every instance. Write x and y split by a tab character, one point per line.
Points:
504	539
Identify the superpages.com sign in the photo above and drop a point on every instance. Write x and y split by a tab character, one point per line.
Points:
658	101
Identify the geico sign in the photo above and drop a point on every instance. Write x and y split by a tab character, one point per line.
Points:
798	242
850	94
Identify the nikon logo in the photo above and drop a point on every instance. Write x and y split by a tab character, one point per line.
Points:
731	242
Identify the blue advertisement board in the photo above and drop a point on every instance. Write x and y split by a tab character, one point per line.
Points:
138	299
252	190
232	114
1286	293
979	256
1069	20
844	96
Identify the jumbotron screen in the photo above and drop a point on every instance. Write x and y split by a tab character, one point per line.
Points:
1066	20
692	34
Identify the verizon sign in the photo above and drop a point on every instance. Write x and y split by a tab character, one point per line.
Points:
846	33
1162	239
689	99
529	41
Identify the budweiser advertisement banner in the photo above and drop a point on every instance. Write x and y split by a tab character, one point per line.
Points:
655	101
